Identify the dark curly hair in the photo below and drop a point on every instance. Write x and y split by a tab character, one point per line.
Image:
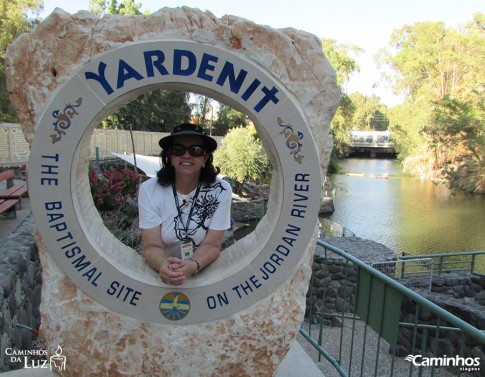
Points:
166	175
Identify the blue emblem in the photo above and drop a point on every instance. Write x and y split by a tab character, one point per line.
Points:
175	306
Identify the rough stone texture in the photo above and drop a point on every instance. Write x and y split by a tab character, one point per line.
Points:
98	342
20	285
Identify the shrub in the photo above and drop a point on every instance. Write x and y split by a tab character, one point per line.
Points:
114	195
113	188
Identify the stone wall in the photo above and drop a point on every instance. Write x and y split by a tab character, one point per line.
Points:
333	284
20	286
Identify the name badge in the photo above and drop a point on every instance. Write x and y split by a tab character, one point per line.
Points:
186	250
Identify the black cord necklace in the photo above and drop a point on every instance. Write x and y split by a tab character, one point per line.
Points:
189	218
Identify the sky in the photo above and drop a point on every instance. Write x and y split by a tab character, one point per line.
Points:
367	24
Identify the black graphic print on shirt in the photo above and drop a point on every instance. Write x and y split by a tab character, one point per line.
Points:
206	204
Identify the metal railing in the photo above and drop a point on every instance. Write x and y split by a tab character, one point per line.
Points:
386	330
412	273
447	263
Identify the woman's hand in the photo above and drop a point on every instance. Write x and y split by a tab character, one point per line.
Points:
172	271
175	271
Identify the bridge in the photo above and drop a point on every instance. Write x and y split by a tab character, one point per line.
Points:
371	143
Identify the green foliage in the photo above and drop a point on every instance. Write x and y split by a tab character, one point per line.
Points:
341	127
439	131
7	111
369	114
157	111
461	125
406	123
339	58
228	118
125	7
344	65
242	157
13	21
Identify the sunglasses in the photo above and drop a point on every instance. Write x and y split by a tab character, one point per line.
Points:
194	150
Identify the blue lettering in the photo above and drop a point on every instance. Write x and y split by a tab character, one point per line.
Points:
269	95
100	77
78	263
298	213
205	66
186	63
54	216
130	295
90	274
302	177
53	205
191	62
247	286
251	89
293	230
267	269
125	73
50	170
277	259
158	63
221	300
283	249
74	251
234	83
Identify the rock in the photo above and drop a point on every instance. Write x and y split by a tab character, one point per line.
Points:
97	341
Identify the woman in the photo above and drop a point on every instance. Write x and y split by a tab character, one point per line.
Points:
185	210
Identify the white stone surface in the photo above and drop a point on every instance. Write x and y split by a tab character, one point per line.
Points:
98	342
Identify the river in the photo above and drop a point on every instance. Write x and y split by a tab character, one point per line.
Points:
406	214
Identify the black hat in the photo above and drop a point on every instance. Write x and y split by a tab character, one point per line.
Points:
189	129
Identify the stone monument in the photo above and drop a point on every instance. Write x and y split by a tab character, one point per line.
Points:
104	312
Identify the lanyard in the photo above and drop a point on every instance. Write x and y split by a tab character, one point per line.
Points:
194	199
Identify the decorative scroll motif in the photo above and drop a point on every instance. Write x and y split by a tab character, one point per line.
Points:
292	140
63	120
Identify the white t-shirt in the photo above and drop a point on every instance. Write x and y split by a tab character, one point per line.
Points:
211	210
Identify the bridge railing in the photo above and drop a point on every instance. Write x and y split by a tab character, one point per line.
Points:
361	144
388	330
380	139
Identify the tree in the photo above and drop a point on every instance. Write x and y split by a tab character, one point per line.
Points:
242	157
157	111
344	65
441	71
369	113
228	118
202	108
341	127
339	57
126	7
459	124
14	20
